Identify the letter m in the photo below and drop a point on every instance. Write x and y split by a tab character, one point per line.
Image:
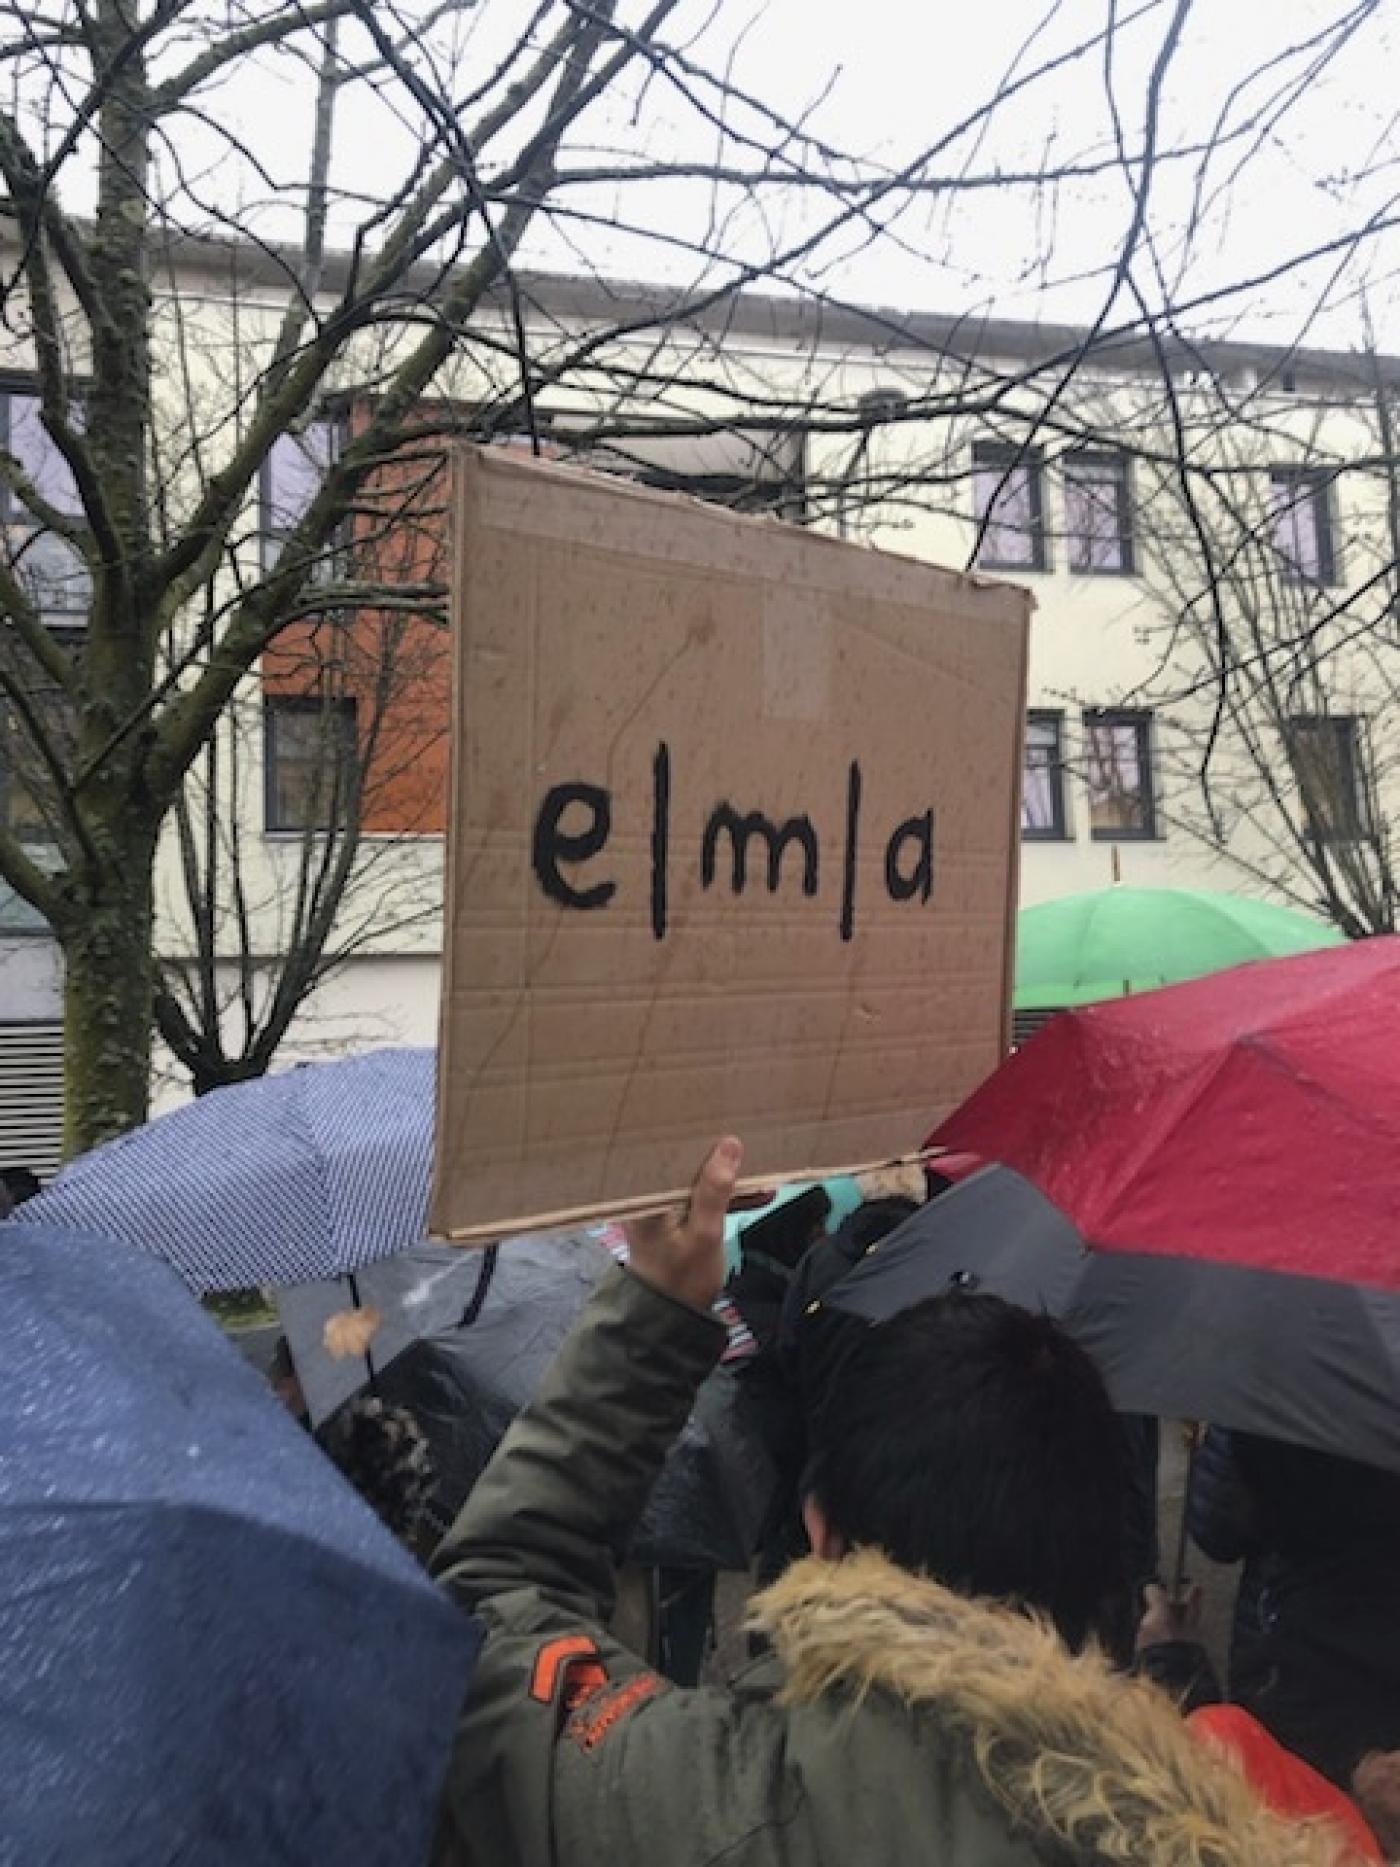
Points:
725	820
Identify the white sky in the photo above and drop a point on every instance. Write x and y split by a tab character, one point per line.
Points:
888	79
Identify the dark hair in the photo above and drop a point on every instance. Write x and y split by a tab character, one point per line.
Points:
384	1454
975	1441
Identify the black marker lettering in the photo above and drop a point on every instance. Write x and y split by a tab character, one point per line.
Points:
903	886
660	836
724	818
553	845
848	883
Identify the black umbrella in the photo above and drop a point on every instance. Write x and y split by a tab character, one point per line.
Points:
1300	1359
491	1324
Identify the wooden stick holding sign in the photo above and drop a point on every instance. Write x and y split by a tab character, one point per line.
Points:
733	847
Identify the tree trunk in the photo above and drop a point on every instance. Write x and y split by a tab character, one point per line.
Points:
108	993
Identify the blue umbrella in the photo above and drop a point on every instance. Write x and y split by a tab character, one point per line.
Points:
308	1174
211	1650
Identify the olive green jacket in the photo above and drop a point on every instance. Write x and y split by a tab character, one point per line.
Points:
893	1721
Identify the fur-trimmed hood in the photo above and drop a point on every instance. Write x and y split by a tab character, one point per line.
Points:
1088	1765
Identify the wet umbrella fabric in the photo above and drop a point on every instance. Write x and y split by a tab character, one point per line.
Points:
1249	1118
214	1651
1081	948
309	1173
464	1342
523	1299
304	1175
1301	1359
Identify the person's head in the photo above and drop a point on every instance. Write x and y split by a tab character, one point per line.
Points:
974	1441
382	1451
20	1183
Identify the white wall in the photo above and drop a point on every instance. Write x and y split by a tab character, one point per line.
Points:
374	1001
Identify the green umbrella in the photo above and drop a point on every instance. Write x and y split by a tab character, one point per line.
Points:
1115	940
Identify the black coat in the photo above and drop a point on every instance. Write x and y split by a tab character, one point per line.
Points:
1321	1540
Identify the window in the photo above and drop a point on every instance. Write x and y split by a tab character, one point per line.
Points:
49	569
1300	501
1118	768
291	476
1043	779
1098	514
310	753
1326	755
1009	508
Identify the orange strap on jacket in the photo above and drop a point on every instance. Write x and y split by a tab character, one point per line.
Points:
552	1659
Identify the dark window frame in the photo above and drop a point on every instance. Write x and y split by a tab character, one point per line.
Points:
1000	458
1348	730
1059	831
1123	503
277	706
17	519
1142	722
1317	483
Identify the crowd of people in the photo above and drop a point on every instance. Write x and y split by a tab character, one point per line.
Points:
962	1649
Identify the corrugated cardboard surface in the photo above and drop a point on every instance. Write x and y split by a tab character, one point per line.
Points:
585	1062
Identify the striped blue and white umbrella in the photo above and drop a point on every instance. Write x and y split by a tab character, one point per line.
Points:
311	1173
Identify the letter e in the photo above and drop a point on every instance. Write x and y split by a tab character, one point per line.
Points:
554	845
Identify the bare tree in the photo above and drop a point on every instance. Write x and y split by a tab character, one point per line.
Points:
1278	657
187	297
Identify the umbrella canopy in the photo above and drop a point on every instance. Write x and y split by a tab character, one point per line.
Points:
310	1173
1117	940
464	1342
521	1302
1251	1118
1300	1359
214	1650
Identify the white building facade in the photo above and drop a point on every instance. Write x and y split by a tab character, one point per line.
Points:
996	444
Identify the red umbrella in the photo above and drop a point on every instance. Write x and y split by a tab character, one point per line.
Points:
1251	1117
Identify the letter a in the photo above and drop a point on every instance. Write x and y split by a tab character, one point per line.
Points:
902	883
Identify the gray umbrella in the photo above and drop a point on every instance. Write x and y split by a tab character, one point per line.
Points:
1300	1359
465	1338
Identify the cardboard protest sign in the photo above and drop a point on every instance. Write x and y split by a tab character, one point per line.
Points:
733	846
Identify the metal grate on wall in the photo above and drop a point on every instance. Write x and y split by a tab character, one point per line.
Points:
31	1097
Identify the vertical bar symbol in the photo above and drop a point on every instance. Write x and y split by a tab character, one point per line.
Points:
660	836
848	880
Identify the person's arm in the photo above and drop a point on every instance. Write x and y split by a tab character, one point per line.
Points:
569	1745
